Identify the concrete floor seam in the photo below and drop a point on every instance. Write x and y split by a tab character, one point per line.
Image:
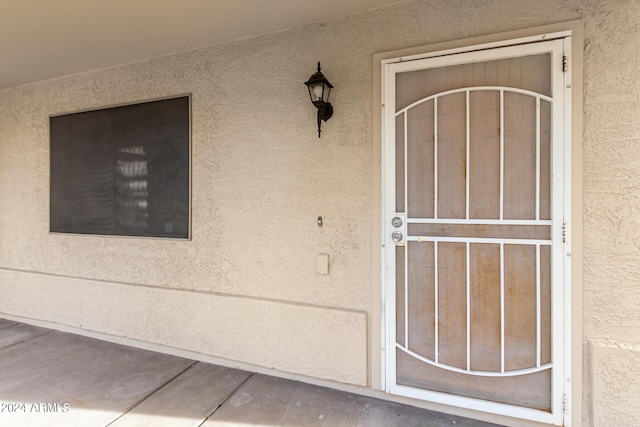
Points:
26	339
225	400
152	393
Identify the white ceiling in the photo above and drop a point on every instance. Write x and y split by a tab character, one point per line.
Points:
44	39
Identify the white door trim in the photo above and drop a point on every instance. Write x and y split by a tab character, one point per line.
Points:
562	342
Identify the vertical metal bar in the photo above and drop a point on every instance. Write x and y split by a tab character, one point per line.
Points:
537	157
388	354
502	353
435	298
435	157
567	289
501	307
388	295
406	167
468	307
406	296
538	300
468	158
501	154
406	255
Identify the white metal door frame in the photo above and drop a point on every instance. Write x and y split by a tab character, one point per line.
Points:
559	48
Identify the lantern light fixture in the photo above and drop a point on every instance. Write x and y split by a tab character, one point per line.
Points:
319	90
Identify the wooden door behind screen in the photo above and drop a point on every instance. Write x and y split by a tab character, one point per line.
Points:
475	210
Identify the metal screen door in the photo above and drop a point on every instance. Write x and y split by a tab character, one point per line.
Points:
473	229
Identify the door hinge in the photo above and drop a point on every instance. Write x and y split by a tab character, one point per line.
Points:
565	404
564	232
565	62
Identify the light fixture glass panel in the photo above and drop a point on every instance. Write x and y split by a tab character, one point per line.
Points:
317	92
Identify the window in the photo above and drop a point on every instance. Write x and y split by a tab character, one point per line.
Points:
123	170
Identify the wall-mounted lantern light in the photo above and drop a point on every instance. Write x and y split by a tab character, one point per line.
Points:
319	89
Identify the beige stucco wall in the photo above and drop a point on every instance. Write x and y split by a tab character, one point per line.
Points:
246	288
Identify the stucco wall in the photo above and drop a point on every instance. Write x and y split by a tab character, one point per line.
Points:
246	287
612	212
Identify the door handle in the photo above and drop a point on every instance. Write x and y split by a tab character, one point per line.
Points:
396	236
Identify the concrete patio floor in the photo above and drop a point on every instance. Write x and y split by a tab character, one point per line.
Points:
51	378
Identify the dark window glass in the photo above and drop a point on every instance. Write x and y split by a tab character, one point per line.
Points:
122	170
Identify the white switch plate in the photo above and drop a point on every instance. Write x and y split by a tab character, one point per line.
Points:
323	264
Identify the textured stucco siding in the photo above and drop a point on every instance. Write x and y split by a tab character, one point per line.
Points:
615	370
246	287
612	213
259	332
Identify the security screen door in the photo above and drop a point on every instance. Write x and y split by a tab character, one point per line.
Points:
474	229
